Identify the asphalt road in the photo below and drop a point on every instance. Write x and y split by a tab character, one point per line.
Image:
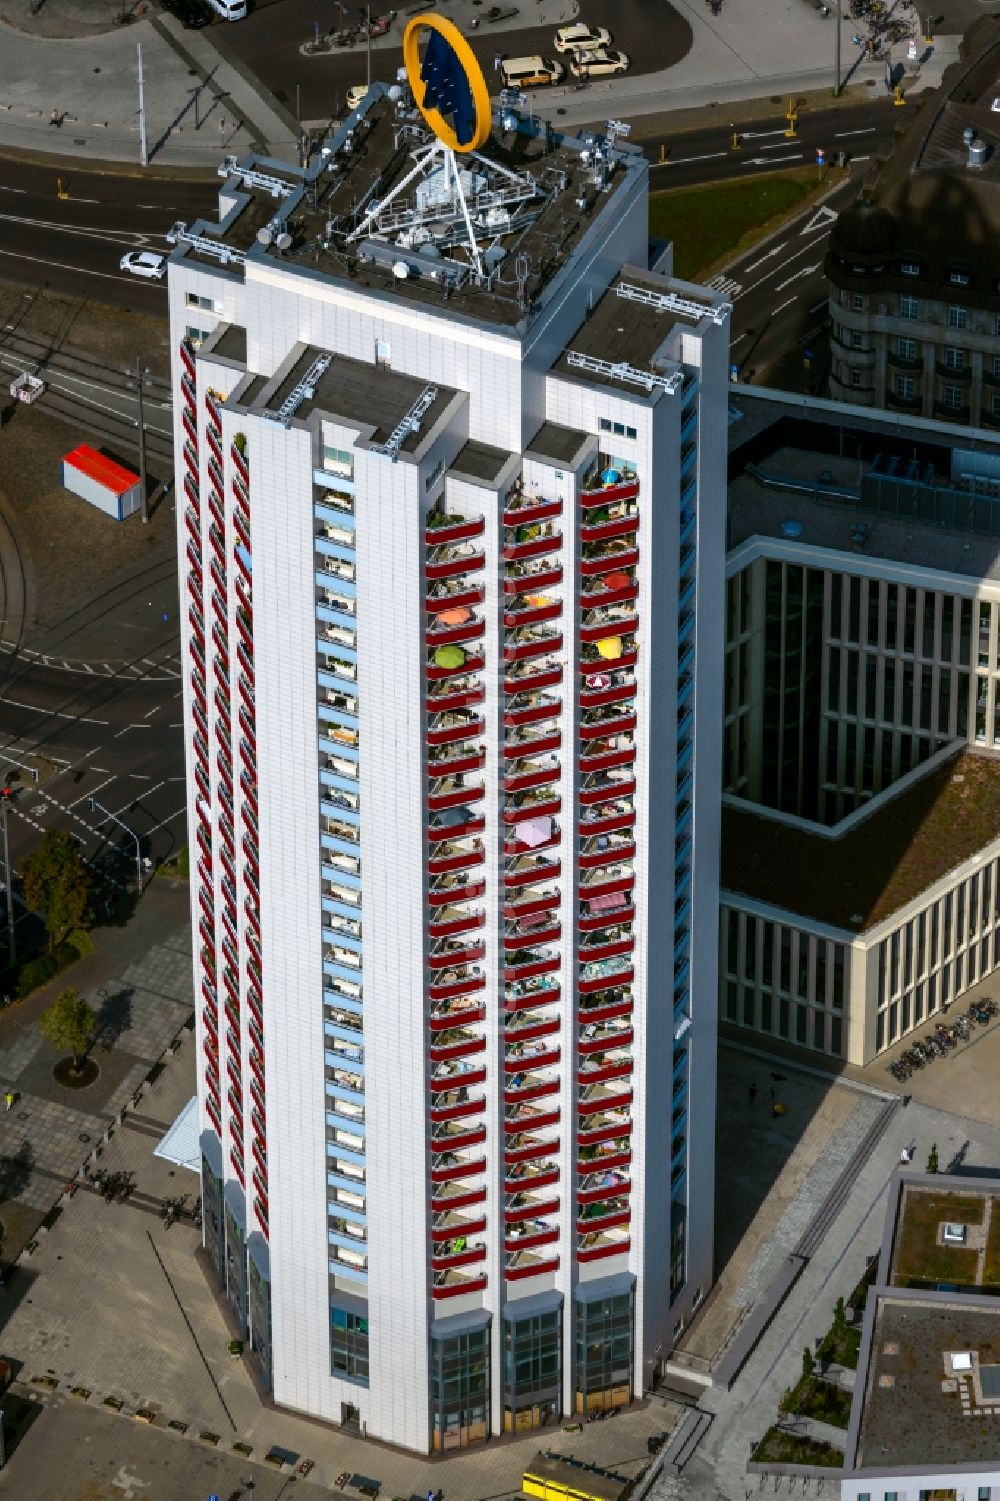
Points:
651	32
75	244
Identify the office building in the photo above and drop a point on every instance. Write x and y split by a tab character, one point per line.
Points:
926	1401
912	266
451	518
862	724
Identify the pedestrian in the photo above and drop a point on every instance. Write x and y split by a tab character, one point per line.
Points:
753	1091
430	1494
8	1099
905	1156
54	118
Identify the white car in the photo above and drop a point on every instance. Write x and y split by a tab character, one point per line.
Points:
144	263
230	10
599	63
581	37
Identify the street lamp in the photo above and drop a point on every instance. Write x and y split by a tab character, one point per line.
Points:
95	805
839	29
6	798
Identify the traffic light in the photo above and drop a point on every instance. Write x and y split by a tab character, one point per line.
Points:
7	793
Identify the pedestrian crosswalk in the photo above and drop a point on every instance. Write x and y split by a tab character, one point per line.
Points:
726	285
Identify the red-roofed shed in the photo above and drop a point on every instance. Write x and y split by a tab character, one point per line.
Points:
109	486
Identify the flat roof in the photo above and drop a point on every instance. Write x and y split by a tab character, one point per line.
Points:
909	840
480	461
559	444
620	330
917	1411
922	1256
231	344
550	198
360	394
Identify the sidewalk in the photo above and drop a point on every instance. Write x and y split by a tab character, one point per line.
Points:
198	106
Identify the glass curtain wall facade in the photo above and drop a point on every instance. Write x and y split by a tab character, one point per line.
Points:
460	1388
605	1334
783	981
532	1369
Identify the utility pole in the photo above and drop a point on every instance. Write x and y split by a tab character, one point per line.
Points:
95	805
139	375
143	153
840	27
5	797
368	45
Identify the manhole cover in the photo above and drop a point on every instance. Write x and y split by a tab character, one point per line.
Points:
83	1136
79	140
22	1115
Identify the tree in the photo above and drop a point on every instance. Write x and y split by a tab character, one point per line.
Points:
808	1363
839	1317
932	1160
57	884
70	1022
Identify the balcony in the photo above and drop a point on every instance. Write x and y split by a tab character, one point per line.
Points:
619	521
519	578
441	528
449	921
535	708
438	672
532	903
453	1042
451	1196
521	1118
604	851
449	889
461	693
526	742
449	1224
531	930
454	856
596	1247
607	558
528	610
535	541
526	805
453	761
604	1216
950	372
522	509
600	1129
455	1106
530	773
454	1284
451	1168
617	588
602	785
527	1234
529	677
592	662
605	1068
527	1025
599	1187
450	984
453	597
607	818
523	645
604	974
605	912
529	1264
521	1150
454	562
529	995
456	824
521	1177
527	870
448	954
529	964
529	1088
534	1055
602	689
443	634
451	1076
607	947
951	414
449	1021
451	1138
610	495
596	1162
454	793
600	625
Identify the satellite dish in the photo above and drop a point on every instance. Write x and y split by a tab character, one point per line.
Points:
395	93
284	240
400	270
264	235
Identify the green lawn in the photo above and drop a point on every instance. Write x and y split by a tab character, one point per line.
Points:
706	222
818	1399
779	1447
991	1267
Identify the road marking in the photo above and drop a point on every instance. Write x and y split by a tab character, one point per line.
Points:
761	135
53	713
776	146
132	727
94	791
734	342
148	792
824	303
139	776
5	189
821	219
766	256
154	710
860	158
169	819
840	135
23	255
802	250
680	161
781	306
796	275
725	284
770	161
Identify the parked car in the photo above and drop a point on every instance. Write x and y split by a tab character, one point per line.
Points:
602	62
192	14
529	72
572	38
229	10
144	263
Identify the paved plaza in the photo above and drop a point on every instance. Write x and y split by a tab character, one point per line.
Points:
51	1130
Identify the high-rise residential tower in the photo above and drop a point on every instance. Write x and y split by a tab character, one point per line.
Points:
451	500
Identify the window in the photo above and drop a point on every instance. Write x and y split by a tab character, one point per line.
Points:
909	307
197	336
953	398
434	475
959	278
383	353
996	364
630	432
349	1345
857	302
857	377
954	358
604	1350
605	424
618	428
958	317
995	404
193	299
906	387
532	1370
857	339
909	268
338	461
906	349
460	1388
